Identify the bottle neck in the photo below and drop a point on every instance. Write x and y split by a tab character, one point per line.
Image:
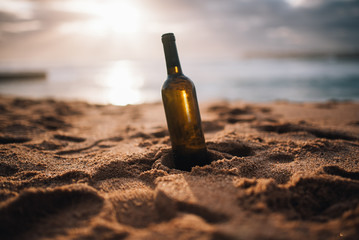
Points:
171	55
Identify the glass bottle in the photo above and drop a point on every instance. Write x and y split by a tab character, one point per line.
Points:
182	112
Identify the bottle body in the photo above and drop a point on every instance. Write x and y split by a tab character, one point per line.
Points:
184	122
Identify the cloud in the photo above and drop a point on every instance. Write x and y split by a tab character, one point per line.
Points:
210	28
328	25
271	25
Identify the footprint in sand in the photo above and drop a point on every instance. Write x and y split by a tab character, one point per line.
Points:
3	108
323	200
69	138
234	148
135	207
281	158
70	206
241	119
64	109
131	168
47	145
52	123
9	139
20	130
234	115
70	177
160	133
337	171
24	103
320	133
212	126
7	170
168	208
97	143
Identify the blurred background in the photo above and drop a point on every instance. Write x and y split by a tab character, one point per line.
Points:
110	51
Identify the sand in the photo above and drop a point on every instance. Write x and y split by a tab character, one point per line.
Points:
281	170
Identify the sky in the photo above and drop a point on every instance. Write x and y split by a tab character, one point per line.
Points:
59	31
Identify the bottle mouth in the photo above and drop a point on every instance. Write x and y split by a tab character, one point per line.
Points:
168	37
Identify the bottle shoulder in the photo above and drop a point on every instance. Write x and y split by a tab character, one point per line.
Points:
178	82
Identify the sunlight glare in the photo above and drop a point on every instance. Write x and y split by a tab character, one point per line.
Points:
122	83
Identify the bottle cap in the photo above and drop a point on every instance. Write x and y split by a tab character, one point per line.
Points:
167	37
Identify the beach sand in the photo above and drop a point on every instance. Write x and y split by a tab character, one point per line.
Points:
280	170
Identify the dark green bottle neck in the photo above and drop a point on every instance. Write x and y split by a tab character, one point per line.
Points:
171	55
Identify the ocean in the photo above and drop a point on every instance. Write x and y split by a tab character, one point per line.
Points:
133	82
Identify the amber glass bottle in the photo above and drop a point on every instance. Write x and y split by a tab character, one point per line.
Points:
182	112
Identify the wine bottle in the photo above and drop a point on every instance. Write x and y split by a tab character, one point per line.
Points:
182	112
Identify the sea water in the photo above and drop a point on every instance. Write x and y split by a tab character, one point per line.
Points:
132	82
